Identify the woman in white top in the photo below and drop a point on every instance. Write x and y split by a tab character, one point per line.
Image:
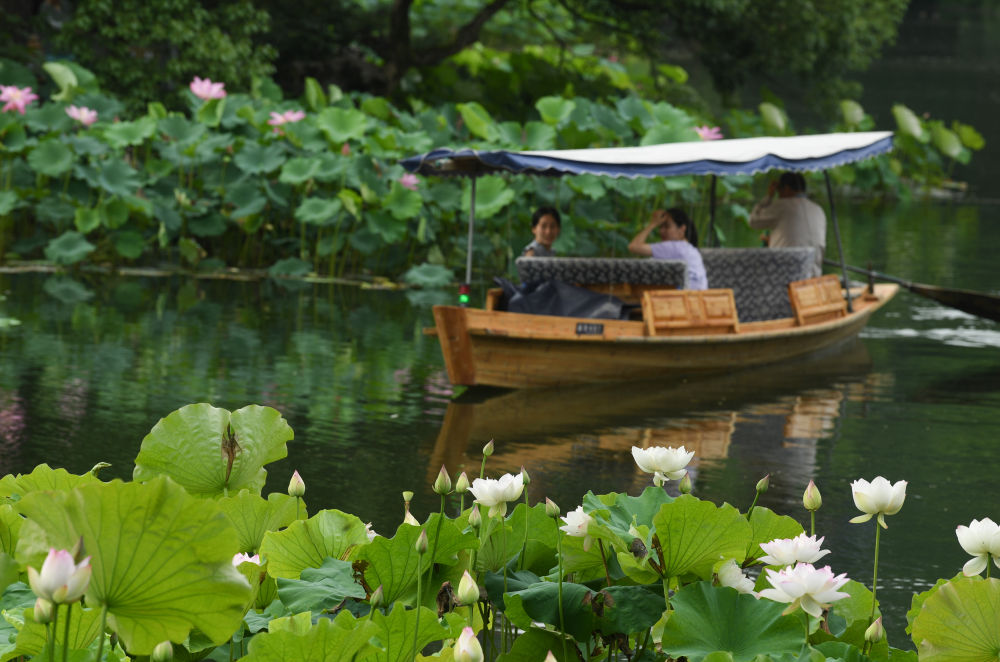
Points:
680	242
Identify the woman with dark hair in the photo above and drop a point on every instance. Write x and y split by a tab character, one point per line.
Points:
680	242
545	226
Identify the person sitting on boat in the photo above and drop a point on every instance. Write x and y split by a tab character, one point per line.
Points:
680	242
792	218
545	226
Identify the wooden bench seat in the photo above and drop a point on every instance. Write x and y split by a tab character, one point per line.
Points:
817	299
689	312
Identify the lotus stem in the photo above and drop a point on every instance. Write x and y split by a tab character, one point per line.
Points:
50	638
69	608
100	643
812	522
55	625
604	561
871	615
433	547
750	510
562	619
524	545
416	624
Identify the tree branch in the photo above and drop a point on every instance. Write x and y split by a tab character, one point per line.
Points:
467	35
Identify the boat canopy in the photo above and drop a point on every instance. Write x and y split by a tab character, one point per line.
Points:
736	156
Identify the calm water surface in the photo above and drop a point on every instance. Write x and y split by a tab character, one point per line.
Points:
83	380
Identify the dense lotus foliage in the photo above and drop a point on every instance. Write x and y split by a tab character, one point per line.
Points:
190	561
246	178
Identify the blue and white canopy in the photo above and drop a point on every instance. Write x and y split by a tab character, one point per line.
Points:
738	156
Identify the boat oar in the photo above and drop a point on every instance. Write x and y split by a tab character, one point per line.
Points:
979	304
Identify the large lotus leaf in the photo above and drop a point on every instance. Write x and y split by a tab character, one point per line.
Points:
844	652
636	113
84	626
67	290
307	543
497	584
767	526
852	112
478	121
960	622
897	655
42	477
114	213
539	136
181	129
161	559
247	199
397	629
585	564
708	618
772	117
342	638
118	178
10	527
9	201
16	599
624	511
492	195
542	534
591	186
318	211
13	138
847	619
68	248
51	157
695	534
402	203
122	134
917	603
212	224
210	113
252	516
907	121
535	644
969	136
256	159
300	170
342	124
393	562
428	275
945	140
320	589
129	244
290	267
194	445
554	109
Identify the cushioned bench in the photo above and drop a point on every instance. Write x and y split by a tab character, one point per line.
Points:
586	271
759	277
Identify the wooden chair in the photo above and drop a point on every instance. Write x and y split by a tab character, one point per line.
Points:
817	299
689	312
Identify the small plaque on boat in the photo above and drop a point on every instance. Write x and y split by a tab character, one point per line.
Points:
589	329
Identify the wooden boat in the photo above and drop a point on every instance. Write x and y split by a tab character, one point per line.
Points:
675	331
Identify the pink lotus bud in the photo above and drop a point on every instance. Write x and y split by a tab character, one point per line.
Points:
763	484
551	509
60	580
442	484
467	647
346	149
421	544
462	484
296	486
475	517
811	498
875	632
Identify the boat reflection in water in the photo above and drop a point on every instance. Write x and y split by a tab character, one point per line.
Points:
740	425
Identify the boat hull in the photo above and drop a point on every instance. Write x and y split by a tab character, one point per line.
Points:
514	350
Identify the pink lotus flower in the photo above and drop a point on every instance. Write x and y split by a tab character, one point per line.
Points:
16	98
708	132
287	117
61	580
346	149
409	180
246	558
206	89
82	114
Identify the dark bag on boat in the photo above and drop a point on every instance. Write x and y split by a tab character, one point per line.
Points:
554	297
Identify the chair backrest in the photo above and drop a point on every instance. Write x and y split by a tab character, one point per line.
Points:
759	277
689	312
604	270
817	299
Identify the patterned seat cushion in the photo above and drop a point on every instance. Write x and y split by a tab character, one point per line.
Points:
604	270
759	277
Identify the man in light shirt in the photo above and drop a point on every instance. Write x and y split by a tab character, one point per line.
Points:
792	218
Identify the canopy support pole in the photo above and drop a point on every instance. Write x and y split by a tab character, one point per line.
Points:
468	250
840	245
710	239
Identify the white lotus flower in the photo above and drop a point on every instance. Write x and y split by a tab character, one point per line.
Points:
804	586
494	494
467	648
662	461
879	497
61	580
789	551
730	575
981	539
576	524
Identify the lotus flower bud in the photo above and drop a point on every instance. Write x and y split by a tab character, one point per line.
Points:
421	544
442	484
488	448
462	484
467	647
296	486
763	484
550	657
475	518
377	597
811	498
44	611
875	632
551	509
164	652
525	478
410	519
685	485
61	580
468	590
407	496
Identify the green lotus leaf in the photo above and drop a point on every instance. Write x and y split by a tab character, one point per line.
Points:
393	562
917	603
767	526
161	559
538	135
635	112
318	211
907	121
320	589
252	516
51	157
496	584
960	622
585	564
42	477
50	118
384	226
477	119
307	543
15	600
695	534
509	134
256	159
428	275
9	201
554	110
343	638
247	199
897	655
847	620
591	186
63	77
212	148
535	644
300	170
708	618
622	510
342	124
13	138
194	445
852	112
403	203
290	267
315	98
210	113
86	145
84	627
844	652
129	244
772	117
181	129
114	213
118	178
969	136
68	248
10	527
211	224
122	134
67	290
945	140
492	195
663	133
397	628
